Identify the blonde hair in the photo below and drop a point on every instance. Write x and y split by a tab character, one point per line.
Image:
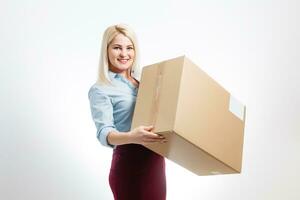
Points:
110	33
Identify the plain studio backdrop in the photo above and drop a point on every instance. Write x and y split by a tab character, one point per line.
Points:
49	57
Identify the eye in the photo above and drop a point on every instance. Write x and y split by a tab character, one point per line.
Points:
129	48
117	48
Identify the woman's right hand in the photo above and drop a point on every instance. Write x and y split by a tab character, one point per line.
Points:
144	135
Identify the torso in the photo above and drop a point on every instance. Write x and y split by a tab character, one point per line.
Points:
134	82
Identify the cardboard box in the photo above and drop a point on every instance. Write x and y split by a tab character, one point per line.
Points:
203	123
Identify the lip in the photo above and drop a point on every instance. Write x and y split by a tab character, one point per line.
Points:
123	60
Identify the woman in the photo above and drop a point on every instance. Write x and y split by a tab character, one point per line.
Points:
136	173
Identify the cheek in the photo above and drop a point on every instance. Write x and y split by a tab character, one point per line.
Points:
111	55
132	54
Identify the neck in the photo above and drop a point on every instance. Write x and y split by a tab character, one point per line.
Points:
125	73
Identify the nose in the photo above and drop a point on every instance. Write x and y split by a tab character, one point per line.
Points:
123	53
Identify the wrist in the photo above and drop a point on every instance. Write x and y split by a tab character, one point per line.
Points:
129	137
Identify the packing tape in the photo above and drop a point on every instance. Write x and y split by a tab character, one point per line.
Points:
157	93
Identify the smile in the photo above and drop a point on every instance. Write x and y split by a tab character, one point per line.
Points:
123	61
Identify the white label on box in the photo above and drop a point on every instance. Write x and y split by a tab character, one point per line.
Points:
236	107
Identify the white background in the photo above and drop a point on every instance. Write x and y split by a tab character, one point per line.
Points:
49	56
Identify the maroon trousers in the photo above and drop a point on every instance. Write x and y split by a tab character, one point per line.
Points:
137	173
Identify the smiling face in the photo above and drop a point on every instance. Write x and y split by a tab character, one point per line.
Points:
120	54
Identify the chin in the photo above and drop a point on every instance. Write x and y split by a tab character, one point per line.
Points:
123	68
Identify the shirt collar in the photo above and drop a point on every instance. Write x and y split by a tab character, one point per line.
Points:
112	75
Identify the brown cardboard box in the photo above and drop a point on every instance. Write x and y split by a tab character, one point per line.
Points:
203	123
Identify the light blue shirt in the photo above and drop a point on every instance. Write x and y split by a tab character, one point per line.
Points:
112	106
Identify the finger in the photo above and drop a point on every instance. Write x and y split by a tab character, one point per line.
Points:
156	139
153	135
148	128
149	140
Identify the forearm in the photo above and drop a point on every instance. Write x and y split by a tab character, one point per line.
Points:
140	135
119	138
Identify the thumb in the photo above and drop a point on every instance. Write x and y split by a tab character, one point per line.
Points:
149	128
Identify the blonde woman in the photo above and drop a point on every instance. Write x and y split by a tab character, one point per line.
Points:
136	173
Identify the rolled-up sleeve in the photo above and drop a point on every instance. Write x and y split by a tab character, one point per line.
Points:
102	114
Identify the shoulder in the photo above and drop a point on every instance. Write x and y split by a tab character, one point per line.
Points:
97	89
